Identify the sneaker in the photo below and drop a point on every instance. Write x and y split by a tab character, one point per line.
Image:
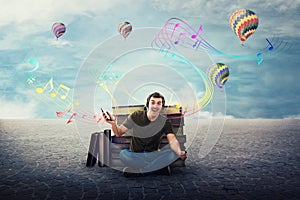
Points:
165	171
129	173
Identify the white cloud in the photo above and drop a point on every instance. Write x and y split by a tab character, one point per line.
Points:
292	117
15	11
17	109
209	115
59	43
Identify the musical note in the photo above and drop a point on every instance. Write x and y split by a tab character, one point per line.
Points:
99	119
70	106
31	79
197	43
195	35
60	114
164	50
176	25
31	63
259	58
63	87
41	90
179	38
70	120
271	46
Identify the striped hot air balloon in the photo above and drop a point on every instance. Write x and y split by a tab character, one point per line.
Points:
125	29
243	23
218	74
58	29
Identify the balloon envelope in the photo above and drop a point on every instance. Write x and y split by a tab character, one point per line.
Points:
243	23
58	29
125	29
218	74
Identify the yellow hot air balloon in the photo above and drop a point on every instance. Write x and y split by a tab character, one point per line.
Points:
218	74
243	23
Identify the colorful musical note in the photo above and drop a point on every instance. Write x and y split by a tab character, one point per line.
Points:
271	46
61	87
195	35
259	58
41	90
70	120
176	25
60	114
197	43
31	79
99	118
70	106
179	38
164	50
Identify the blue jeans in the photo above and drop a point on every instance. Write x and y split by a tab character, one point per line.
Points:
147	161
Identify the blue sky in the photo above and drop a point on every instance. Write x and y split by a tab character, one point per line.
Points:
270	90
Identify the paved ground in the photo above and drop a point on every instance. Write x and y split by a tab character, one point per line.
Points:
253	159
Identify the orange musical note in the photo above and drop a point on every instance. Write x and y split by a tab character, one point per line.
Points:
176	25
41	90
195	35
70	120
179	38
63	87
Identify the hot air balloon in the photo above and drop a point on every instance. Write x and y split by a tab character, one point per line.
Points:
218	74
243	23
58	29
125	29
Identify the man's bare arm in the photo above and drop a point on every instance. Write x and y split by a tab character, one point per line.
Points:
118	130
175	146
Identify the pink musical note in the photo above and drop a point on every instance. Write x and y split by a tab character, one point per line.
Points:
176	25
70	120
41	90
195	35
61	87
259	58
271	46
179	38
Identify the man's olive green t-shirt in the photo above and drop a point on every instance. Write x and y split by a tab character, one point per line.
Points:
146	134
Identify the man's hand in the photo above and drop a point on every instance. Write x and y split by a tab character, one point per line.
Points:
111	119
182	155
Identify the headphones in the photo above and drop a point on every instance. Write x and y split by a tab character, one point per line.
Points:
155	95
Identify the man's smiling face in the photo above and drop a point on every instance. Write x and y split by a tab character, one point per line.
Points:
155	105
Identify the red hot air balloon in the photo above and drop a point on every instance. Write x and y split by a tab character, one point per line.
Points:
125	29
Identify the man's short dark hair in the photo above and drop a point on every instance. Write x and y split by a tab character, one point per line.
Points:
156	95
